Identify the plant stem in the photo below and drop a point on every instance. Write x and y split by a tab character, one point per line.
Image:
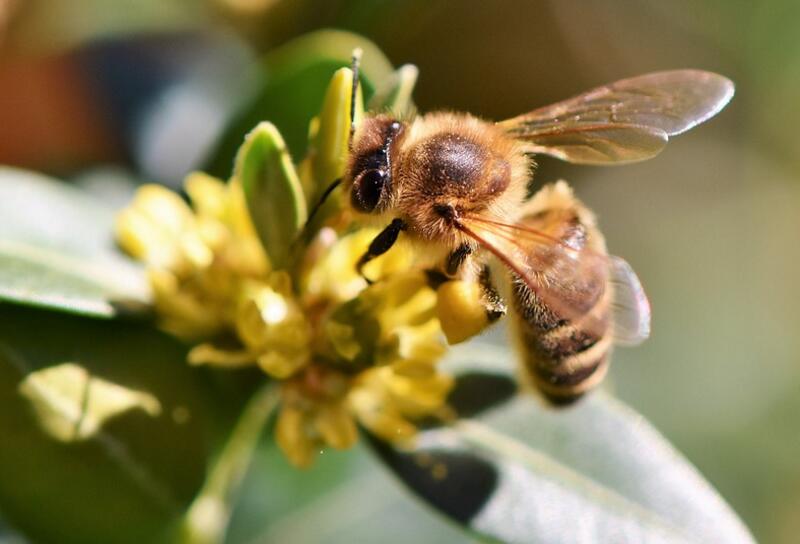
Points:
206	520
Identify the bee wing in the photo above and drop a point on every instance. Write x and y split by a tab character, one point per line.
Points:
566	279
625	121
629	306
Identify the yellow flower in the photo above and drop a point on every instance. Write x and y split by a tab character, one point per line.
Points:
388	399
334	278
157	227
376	362
320	407
392	320
198	257
314	414
273	327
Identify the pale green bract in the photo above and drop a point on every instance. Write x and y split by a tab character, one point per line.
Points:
329	145
71	405
272	189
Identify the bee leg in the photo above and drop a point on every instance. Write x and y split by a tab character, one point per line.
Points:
491	300
493	303
435	278
381	244
456	259
452	266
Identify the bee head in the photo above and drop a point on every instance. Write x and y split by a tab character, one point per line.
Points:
370	169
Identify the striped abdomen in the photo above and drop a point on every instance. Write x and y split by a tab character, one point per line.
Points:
565	358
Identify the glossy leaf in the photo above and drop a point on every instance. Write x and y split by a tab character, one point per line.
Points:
57	249
289	88
596	472
272	190
131	479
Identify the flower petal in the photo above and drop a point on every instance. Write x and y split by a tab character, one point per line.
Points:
292	437
336	425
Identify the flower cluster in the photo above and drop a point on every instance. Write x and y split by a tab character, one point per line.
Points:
343	350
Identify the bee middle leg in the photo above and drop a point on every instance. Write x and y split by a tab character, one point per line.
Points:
490	297
456	259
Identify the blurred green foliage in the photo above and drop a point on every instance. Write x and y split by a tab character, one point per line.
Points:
140	471
301	69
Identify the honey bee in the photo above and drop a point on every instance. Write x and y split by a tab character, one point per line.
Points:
456	185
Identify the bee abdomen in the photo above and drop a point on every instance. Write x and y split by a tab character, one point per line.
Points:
564	363
564	360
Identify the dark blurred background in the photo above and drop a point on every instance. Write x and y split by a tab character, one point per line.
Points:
98	91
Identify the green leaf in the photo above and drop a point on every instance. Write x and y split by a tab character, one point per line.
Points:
272	190
57	249
394	95
595	472
131	478
72	405
289	87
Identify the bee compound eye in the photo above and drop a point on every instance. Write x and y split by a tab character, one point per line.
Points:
368	190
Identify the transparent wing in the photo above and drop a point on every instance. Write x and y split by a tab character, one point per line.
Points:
599	143
570	281
625	121
629	306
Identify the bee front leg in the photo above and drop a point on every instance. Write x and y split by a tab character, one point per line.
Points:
381	244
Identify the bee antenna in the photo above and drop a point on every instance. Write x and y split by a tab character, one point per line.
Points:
354	66
304	232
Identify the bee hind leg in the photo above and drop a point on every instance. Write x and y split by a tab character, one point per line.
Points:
493	303
382	243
